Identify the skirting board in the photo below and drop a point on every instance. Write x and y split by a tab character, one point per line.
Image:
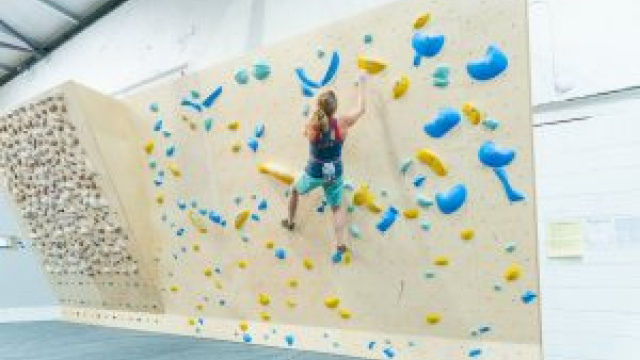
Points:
40	313
364	344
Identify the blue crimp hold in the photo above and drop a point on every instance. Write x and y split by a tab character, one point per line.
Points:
388	218
442	123
213	96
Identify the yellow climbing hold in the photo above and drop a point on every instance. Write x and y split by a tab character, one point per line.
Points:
241	218
472	113
243	326
148	147
268	244
173	288
421	21
173	168
242	264
466	234
218	285
197	222
430	159
192	321
344	313
432	318
291	303
234	125
293	283
308	264
236	147
347	258
263	299
199	307
441	261
411	213
160	199
513	272
207	272
371	66
265	316
400	87
276	172
331	302
362	196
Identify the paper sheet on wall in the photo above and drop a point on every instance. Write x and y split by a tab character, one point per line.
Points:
565	239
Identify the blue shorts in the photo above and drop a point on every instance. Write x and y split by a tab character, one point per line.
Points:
332	190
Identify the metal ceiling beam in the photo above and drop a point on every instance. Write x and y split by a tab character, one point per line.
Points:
6	45
61	10
16	34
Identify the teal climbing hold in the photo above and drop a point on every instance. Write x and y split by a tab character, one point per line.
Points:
208	123
405	165
429	274
423	201
354	231
261	70
425	226
367	38
241	76
153	107
490	124
441	76
195	94
510	248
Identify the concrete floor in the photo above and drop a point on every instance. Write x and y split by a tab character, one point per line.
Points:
52	340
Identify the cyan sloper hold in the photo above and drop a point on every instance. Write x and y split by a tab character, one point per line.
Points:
425	45
512	194
445	120
261	70
289	339
405	165
190	104
212	97
354	231
241	76
252	143
441	76
450	201
490	124
258	132
153	107
326	79
208	123
388	218
423	201
490	155
262	205
488	67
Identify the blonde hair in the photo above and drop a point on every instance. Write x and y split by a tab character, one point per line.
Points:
326	107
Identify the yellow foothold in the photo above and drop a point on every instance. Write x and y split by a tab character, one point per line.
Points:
263	299
512	273
291	303
173	288
192	321
362	196
347	258
276	172
331	302
430	159
466	234
207	272
199	307
371	66
308	264
344	313
441	261
243	326
400	87
472	113
241	218
242	264
173	168
196	248
192	125
432	318
265	316
218	285
148	147
233	125
236	147
293	283
421	21
411	213
160	199
268	244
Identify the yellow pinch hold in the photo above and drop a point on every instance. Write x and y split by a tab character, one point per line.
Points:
466	234
371	66
400	87
362	196
292	283
430	159
241	218
347	258
191	321
308	264
236	147
331	302
199	307
207	272
268	244
265	316
291	304
263	299
160	199
513	272
421	21
472	113
218	285
233	126
243	325
173	288
441	261
173	169
432	318
242	264
411	213
277	173
148	147
345	314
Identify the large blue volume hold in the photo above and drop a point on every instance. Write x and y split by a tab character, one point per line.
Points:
425	45
488	67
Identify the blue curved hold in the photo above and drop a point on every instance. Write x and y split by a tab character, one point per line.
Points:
492	156
158	125
191	104
512	194
418	180
214	217
306	91
252	143
442	123
388	218
209	100
528	297
259	131
280	253
425	45
170	151
326	79
488	67
450	201
337	257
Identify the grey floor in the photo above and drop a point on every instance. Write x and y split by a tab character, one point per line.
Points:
54	340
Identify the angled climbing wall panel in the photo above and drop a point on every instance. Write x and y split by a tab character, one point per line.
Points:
61	156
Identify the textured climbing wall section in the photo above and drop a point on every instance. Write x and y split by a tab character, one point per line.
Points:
51	158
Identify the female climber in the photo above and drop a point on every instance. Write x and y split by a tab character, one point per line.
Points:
326	133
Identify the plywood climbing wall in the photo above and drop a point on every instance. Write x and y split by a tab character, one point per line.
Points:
438	187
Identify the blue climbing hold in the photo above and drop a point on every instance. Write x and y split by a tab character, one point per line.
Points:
474	353
180	232
289	339
261	70
170	151
445	120
425	45
528	297
367	38
190	104
153	107
280	253
488	67
418	180
181	204
166	134
371	345
388	352
215	218
241	76
388	218
158	125
450	201
246	338
306	91
337	257
512	194
492	156
255	217
252	143
258	132
262	205
329	75
212	97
